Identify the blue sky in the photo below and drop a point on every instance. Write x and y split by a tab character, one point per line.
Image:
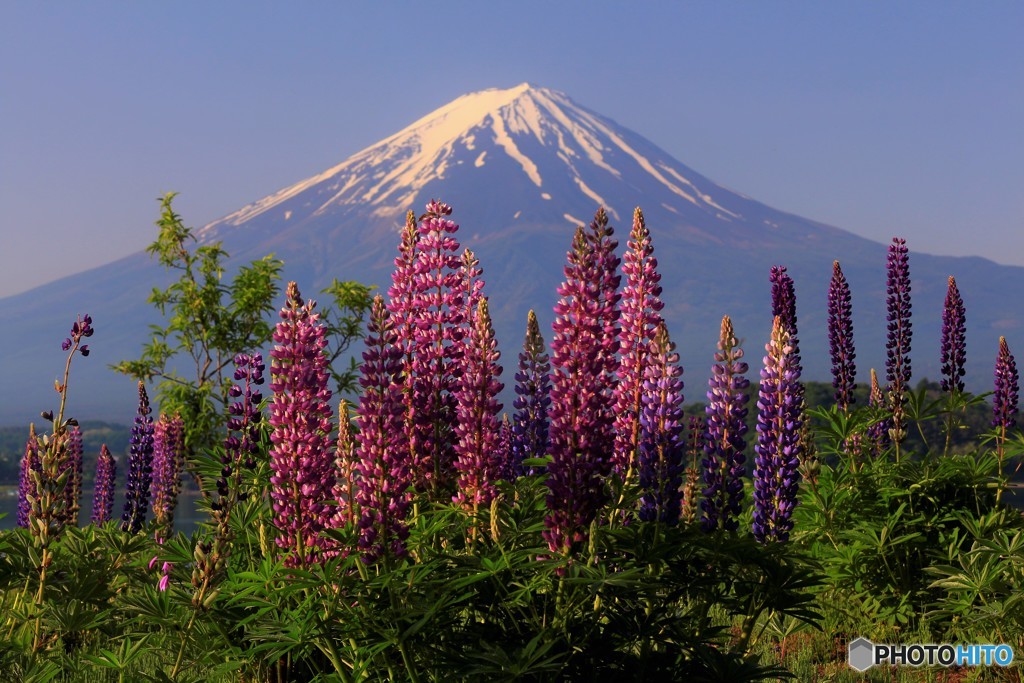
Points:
883	118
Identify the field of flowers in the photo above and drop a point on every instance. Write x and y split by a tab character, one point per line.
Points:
595	532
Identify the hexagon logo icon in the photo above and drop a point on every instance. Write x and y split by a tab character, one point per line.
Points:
861	654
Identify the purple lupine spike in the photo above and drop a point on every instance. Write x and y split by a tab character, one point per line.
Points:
784	301
510	468
878	433
533	397
661	435
140	468
1007	389
27	489
476	425
73	466
105	485
641	306
694	453
439	332
302	468
578	416
723	440
897	364
168	460
779	420
241	446
954	339
840	338
384	477
345	470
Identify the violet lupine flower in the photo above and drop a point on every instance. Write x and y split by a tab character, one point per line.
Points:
384	477
81	328
439	301
73	466
476	426
784	306
28	473
345	470
140	468
533	397
241	446
954	340
878	433
302	469
105	484
897	364
168	460
779	420
640	306
510	467
662	446
840	338
723	440
1007	389
579	420
694	453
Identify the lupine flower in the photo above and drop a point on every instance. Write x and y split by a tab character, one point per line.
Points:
345	469
661	433
779	420
694	454
28	472
1007	389
383	467
476	427
897	364
723	441
533	397
302	476
165	577
80	329
579	419
439	302
140	467
73	466
878	433
105	484
641	306
954	339
510	467
241	446
784	306
840	338
168	460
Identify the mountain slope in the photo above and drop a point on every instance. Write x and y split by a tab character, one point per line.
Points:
522	167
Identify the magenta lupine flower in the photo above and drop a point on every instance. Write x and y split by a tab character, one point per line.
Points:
345	470
140	467
897	364
165	577
1007	389
241	447
384	477
954	339
73	465
604	279
105	485
478	461
168	461
878	433
779	420
641	306
578	417
723	441
533	397
27	488
662	445
302	469
840	338
438	300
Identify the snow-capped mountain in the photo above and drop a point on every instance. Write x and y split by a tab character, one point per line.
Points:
522	167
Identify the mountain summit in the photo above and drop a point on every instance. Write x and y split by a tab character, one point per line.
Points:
522	167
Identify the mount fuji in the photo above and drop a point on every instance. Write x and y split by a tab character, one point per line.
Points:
522	168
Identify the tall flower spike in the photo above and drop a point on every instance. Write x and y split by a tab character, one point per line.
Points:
694	454
723	441
168	460
897	364
641	306
661	435
383	467
140	468
476	426
954	339
345	469
878	433
28	473
779	420
241	447
579	420
1007	389
105	484
840	338
533	397
73	466
302	469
